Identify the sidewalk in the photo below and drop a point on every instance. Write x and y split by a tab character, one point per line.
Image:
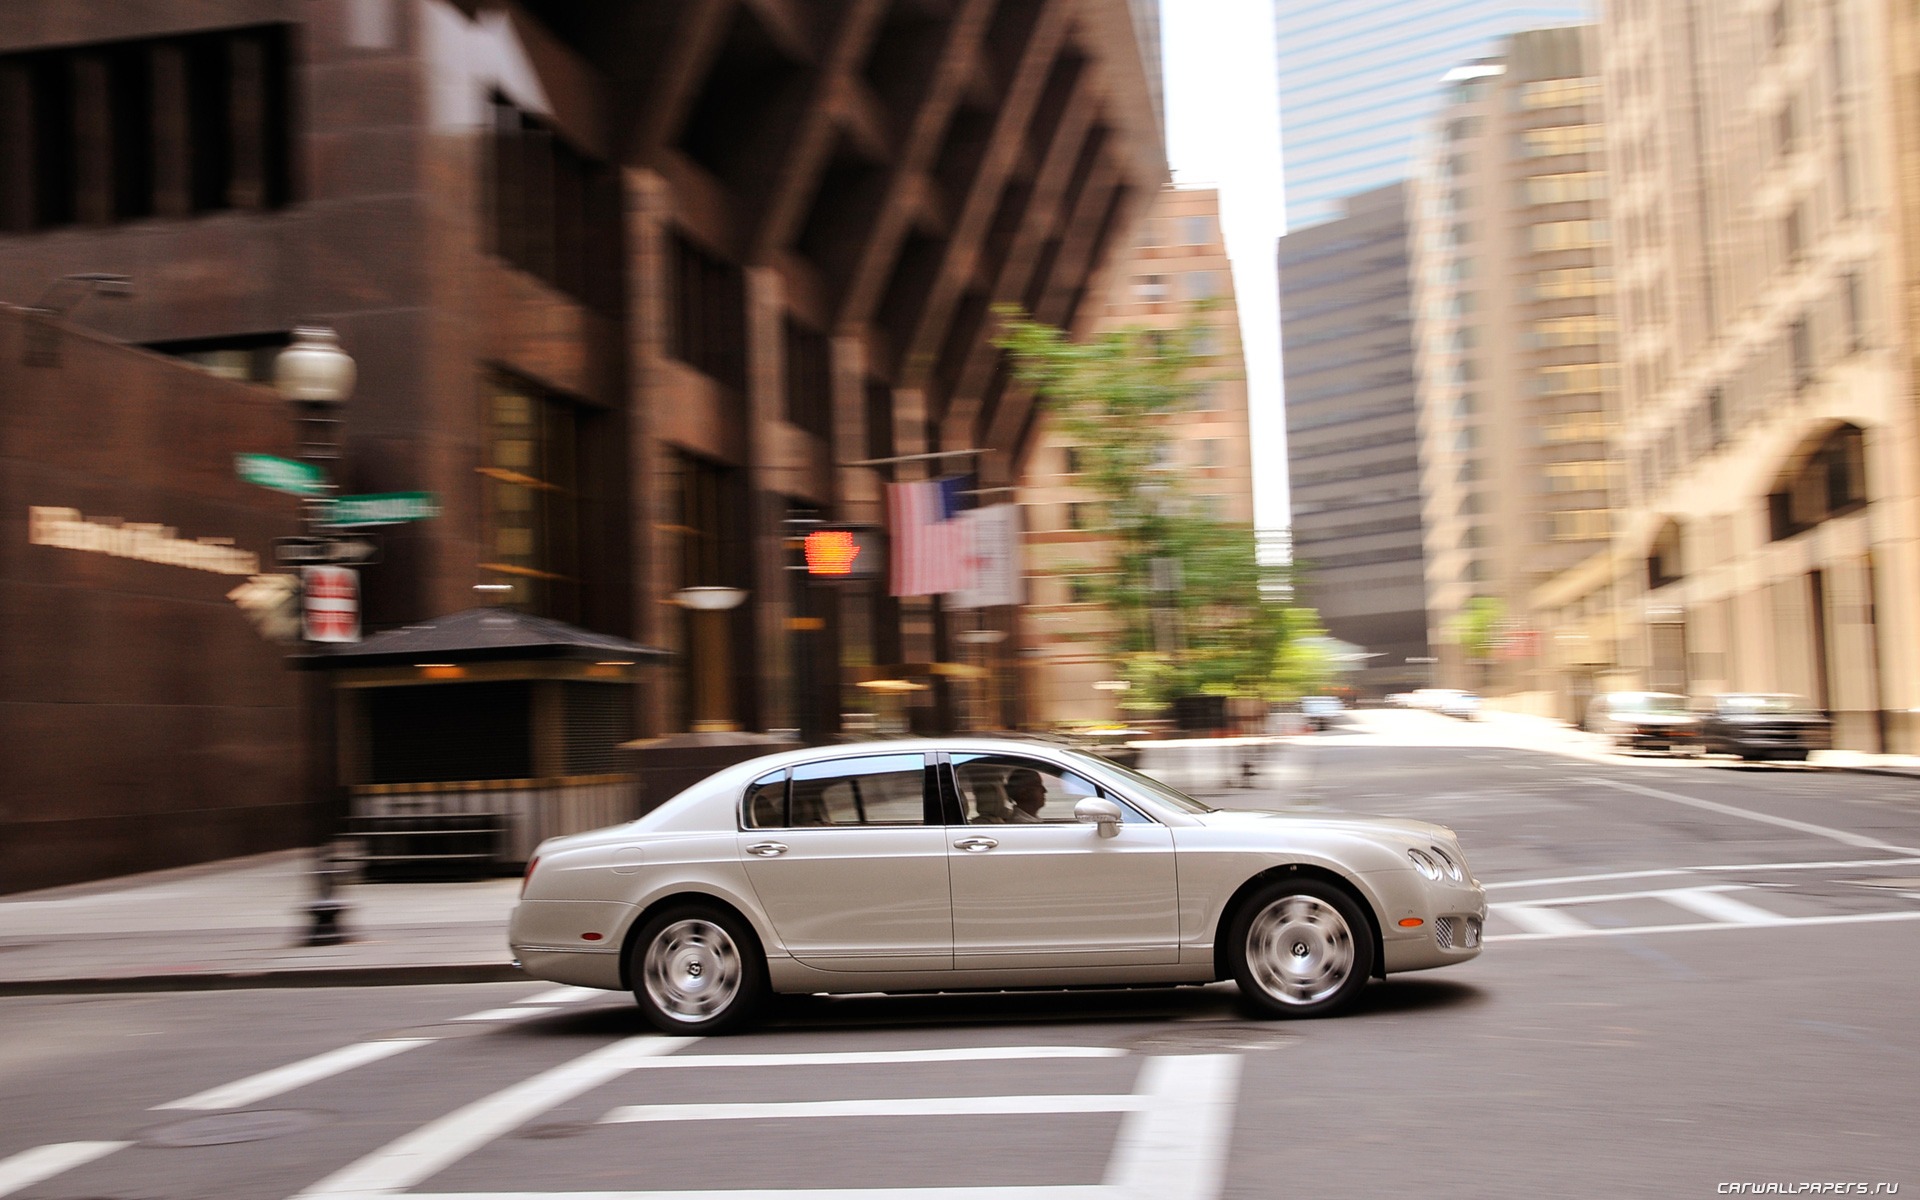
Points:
242	923
1557	737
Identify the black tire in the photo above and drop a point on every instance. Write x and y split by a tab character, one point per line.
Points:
1299	948
698	970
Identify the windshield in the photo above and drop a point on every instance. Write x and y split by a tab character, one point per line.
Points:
1159	792
1648	702
1763	704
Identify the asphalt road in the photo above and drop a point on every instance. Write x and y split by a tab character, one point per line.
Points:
1696	976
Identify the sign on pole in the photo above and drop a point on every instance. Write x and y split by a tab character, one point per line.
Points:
330	603
280	474
387	508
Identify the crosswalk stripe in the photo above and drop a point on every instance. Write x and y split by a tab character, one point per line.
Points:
874	1057
255	1088
29	1167
1539	920
1711	926
1716	904
413	1157
910	1106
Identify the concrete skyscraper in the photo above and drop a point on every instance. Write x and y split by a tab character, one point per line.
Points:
1359	79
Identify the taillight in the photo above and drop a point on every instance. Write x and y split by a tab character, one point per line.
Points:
528	877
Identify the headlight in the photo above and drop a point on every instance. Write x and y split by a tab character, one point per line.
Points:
1425	865
1453	868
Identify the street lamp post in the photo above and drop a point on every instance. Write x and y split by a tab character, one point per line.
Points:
712	672
316	376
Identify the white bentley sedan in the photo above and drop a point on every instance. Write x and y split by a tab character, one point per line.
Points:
960	863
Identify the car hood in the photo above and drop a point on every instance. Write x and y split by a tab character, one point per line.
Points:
1395	827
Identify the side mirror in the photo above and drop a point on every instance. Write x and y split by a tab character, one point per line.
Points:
1095	810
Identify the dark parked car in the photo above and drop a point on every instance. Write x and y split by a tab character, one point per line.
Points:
1764	725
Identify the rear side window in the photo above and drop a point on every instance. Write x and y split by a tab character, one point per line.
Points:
880	789
766	805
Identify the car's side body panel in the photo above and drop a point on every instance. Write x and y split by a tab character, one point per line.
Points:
855	899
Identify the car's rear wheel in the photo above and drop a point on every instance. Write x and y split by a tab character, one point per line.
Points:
696	969
1300	948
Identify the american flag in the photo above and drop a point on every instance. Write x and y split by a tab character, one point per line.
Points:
932	546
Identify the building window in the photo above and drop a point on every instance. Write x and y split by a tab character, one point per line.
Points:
1562	139
1080	589
1210	452
122	131
809	380
532	472
1830	481
1560	93
554	210
1856	314
1204	285
1568	235
1800	338
1794	235
1717	417
1072	462
1196	231
709	314
1565	188
1150	289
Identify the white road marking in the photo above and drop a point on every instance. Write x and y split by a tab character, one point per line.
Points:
1176	1147
519	1012
1604	897
1838	835
913	1106
1172	1145
871	1057
1711	926
878	1193
255	1088
1540	921
1715	904
1657	873
29	1167
413	1157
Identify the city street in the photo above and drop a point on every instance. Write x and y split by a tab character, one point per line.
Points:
1697	974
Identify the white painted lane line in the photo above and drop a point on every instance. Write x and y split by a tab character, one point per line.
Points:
565	995
1712	926
1175	1148
413	1157
1553	881
29	1167
1539	921
869	1058
915	1106
255	1088
1603	897
1838	835
519	1012
1715	904
878	1193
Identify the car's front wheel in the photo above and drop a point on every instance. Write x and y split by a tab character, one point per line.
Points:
1300	948
697	970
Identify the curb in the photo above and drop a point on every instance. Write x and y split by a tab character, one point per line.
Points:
293	977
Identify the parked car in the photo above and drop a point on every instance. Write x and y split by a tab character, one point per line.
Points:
1759	725
957	863
1644	721
1464	705
1322	712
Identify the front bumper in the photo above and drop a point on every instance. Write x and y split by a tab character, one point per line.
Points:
1451	922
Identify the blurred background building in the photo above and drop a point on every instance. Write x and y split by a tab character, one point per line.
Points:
1359	80
1352	436
1517	365
630	284
1175	274
1768	403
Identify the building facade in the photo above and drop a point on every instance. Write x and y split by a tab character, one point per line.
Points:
632	288
1359	80
1353	463
1175	273
1772	534
1517	358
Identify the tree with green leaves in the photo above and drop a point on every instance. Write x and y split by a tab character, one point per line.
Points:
1195	606
1476	629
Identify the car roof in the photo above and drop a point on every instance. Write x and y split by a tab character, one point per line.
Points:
993	744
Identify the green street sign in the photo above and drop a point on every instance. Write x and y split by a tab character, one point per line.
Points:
280	474
388	508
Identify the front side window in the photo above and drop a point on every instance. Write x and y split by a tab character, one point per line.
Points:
1004	789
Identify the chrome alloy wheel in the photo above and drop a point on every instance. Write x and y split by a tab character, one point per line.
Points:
692	970
1300	950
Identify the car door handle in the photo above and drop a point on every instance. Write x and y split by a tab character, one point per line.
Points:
975	844
767	849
